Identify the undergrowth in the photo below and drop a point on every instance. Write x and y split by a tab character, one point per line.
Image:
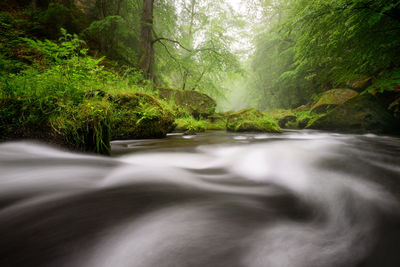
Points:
66	94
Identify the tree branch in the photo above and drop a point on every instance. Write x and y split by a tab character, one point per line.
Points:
172	41
169	53
159	39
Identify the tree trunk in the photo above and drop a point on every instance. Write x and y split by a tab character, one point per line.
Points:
119	7
146	36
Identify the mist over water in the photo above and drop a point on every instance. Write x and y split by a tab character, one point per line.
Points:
301	199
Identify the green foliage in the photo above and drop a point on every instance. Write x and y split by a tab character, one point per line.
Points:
190	125
196	52
306	47
114	38
146	112
46	22
69	98
53	53
140	115
14	54
387	82
86	126
251	120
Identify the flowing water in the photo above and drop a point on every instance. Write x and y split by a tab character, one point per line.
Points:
300	199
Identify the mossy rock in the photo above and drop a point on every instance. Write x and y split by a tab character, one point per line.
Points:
359	84
85	127
140	115
190	125
217	122
19	121
251	120
302	123
195	103
362	114
250	112
286	118
301	108
217	117
332	98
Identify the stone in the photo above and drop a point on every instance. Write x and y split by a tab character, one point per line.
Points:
140	115
333	98
251	120
199	105
362	114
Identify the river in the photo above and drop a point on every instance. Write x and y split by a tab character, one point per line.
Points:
298	199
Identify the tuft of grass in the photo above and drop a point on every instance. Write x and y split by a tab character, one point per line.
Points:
251	120
68	98
190	125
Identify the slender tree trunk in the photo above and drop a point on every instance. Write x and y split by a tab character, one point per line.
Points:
34	4
119	7
189	43
146	36
184	78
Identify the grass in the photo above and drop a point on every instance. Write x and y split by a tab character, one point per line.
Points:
68	98
190	125
252	120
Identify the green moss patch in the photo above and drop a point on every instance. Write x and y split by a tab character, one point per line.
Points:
139	115
189	125
286	118
362	114
86	127
197	104
331	98
251	120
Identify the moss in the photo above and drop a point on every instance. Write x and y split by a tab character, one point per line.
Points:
217	121
251	120
286	118
140	115
190	125
332	98
303	118
301	108
360	84
359	115
197	104
21	118
85	127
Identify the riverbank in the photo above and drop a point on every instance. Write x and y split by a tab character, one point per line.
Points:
59	94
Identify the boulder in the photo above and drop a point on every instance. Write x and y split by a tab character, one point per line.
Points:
199	105
361	114
332	98
360	84
251	120
140	115
301	108
285	117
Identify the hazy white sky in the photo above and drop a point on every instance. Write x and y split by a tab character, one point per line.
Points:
237	4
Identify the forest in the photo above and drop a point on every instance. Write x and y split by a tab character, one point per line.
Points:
80	73
199	133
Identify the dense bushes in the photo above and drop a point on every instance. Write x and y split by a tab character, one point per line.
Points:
67	98
306	47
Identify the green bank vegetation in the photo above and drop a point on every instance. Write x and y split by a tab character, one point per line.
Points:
80	73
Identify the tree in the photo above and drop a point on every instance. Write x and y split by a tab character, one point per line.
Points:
304	47
146	36
195	50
